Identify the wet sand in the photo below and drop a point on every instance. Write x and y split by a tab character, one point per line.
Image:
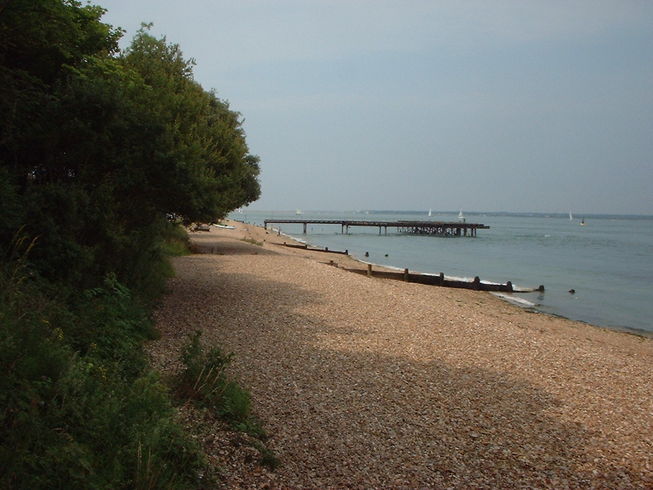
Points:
368	382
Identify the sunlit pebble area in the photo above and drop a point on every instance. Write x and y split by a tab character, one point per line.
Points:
369	382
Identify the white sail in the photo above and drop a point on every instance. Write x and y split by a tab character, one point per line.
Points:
461	215
571	216
430	212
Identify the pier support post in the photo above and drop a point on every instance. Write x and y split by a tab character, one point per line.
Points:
305	224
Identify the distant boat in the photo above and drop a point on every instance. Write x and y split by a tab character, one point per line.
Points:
582	222
298	211
430	212
461	216
571	216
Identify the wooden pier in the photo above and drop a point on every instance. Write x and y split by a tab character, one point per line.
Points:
436	228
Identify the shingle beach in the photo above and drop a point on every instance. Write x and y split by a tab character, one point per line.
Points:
374	383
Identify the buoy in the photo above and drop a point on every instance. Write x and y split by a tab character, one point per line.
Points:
572	291
367	254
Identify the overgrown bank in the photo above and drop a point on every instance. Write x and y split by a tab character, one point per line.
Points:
102	153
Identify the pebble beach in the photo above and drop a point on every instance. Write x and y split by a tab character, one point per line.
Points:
375	383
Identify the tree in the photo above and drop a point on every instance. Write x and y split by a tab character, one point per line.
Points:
100	146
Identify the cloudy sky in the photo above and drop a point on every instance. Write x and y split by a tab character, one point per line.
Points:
415	104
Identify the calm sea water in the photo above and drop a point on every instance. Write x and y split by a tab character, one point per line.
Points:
608	262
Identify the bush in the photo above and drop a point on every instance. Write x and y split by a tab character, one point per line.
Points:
80	408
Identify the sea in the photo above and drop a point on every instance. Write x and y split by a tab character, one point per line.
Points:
606	260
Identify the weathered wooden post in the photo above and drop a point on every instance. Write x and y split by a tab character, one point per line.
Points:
509	286
369	270
405	274
305	227
441	278
477	283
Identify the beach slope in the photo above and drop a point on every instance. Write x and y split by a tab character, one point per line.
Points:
379	383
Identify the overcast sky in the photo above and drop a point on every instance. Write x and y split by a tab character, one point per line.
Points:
415	104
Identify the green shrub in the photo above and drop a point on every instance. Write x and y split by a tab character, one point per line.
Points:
205	381
176	241
80	408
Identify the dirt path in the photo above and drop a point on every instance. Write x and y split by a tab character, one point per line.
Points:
371	383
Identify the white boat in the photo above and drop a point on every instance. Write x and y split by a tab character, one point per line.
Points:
430	212
461	216
298	212
571	216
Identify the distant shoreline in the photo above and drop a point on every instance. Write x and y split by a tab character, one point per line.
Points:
562	215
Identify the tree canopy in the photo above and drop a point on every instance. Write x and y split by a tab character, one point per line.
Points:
98	146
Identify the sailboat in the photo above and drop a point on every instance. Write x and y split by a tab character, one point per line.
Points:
461	216
430	212
582	222
571	216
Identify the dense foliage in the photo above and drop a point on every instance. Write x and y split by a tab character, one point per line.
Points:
99	151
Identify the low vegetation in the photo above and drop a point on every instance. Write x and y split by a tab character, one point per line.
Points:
204	380
80	406
252	241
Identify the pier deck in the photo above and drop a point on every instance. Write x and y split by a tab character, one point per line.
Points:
437	228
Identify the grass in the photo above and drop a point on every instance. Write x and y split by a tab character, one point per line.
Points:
176	242
252	241
205	381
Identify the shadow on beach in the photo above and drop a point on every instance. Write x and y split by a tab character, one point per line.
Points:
354	415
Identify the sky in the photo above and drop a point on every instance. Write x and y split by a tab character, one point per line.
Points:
525	106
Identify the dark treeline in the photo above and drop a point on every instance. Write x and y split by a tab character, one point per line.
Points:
102	152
